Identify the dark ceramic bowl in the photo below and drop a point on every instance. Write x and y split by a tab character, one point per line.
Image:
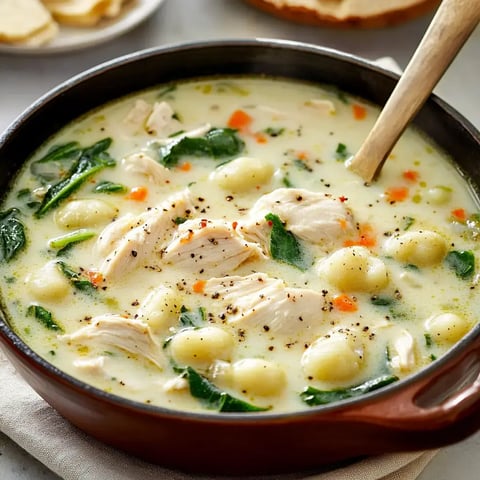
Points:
435	407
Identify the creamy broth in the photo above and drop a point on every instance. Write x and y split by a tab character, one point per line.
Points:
255	274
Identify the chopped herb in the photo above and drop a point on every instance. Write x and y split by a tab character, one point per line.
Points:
381	301
214	398
274	132
218	143
44	316
75	279
12	234
408	222
462	263
312	396
342	97
110	187
301	165
411	267
70	239
428	340
179	220
342	153
284	245
92	160
232	87
192	319
433	357
286	181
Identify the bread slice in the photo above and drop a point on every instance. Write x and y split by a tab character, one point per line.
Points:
21	19
80	13
347	13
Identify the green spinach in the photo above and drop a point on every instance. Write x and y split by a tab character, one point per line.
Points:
192	319
462	263
44	317
109	187
76	280
12	234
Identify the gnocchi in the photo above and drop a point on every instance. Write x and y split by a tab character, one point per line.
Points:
85	213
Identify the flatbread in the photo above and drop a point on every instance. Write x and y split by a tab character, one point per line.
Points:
79	13
347	13
21	19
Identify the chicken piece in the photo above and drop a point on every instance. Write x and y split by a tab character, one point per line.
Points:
315	217
161	121
212	247
259	301
137	116
150	230
402	346
93	366
194	133
127	334
142	164
323	106
113	232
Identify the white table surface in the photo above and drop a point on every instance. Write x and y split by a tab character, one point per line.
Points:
24	78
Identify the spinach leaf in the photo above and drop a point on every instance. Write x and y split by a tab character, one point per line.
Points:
62	152
461	262
67	241
44	316
76	280
217	143
408	222
313	397
214	398
12	234
109	187
284	245
192	319
92	160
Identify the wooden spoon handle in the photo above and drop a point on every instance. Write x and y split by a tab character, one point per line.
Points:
453	23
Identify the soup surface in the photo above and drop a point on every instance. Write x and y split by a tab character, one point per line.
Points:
203	246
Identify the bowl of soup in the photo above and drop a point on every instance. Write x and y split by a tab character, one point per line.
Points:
191	274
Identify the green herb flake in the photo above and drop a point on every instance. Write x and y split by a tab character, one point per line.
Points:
342	153
462	263
302	165
428	340
192	319
214	398
286	182
284	245
381	301
44	317
274	132
313	397
109	187
179	220
76	280
12	234
407	222
166	90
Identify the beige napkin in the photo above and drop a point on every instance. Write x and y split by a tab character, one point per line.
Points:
73	455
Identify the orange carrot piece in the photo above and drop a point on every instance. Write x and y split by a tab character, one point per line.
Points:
240	120
187	239
397	194
411	175
344	303
95	277
260	137
139	194
185	167
366	238
459	214
359	111
199	286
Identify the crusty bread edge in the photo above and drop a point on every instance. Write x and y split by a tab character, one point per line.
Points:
311	17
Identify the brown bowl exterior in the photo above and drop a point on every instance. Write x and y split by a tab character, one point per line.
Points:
435	407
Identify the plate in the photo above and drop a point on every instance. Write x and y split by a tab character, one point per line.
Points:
72	38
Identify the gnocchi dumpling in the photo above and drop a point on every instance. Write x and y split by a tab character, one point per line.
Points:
332	358
47	283
243	173
85	213
447	327
199	348
160	309
354	269
422	248
255	376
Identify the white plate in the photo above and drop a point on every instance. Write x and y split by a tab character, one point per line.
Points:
70	38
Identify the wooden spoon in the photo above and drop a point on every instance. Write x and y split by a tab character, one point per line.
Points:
453	23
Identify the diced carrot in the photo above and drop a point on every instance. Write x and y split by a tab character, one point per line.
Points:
411	175
260	137
185	167
359	111
397	194
203	223
301	155
344	303
199	286
459	214
234	225
187	239
95	277
240	120
366	238
139	194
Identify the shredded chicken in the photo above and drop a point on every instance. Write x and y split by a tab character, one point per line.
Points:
194	133
161	121
315	217
263	302
115	331
137	116
144	237
94	366
212	247
142	164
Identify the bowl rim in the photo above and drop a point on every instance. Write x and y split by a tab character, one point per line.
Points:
8	334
